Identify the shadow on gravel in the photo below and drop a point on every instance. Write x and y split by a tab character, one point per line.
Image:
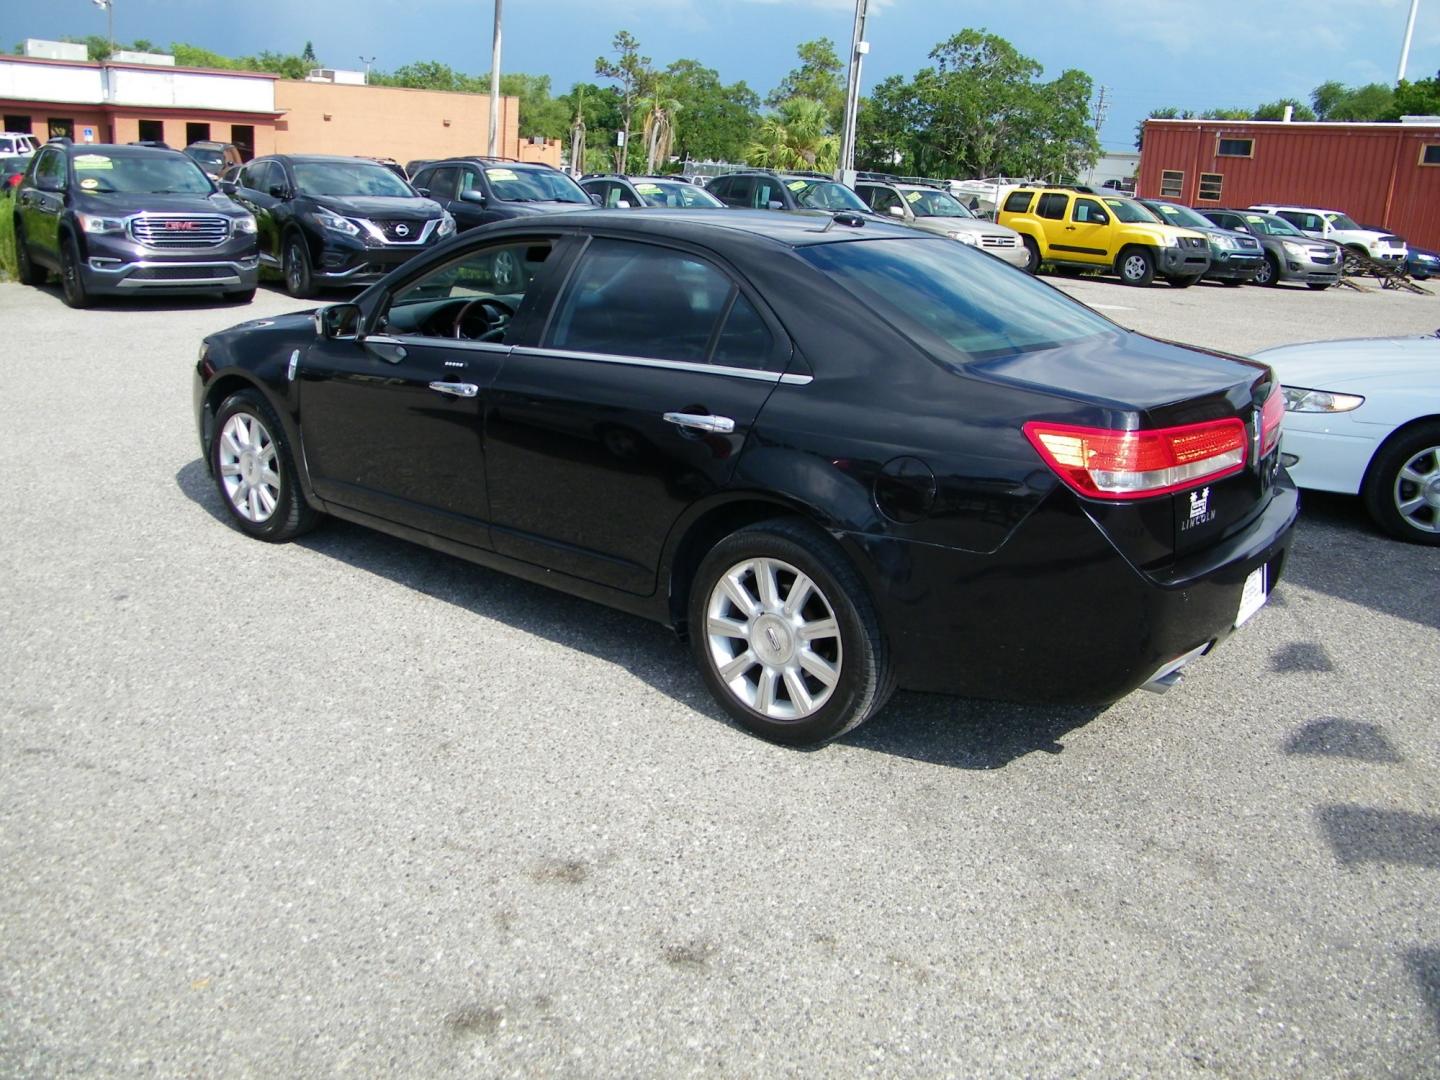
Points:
944	731
1330	736
1340	552
1424	964
1362	834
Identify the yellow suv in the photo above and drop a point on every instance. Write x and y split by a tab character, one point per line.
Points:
1078	229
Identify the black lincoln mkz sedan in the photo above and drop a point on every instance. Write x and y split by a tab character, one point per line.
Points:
837	455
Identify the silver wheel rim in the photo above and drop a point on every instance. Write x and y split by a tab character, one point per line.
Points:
1263	274
294	271
774	639
247	468
1134	268
1417	490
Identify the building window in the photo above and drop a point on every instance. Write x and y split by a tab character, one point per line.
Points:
1171	183
1210	185
61	127
20	125
196	133
243	136
1235	148
152	130
1430	154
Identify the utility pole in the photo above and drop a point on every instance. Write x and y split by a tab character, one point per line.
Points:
1101	108
1409	33
493	148
367	61
858	48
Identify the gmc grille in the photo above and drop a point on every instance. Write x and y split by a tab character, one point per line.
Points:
1248	244
172	232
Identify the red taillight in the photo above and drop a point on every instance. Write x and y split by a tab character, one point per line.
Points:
1103	463
1272	415
14	181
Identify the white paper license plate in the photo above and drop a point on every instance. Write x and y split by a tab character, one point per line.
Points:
1253	596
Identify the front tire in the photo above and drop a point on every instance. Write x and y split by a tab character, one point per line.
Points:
1137	267
1032	257
1402	485
26	272
1319	286
1269	271
785	634
1182	282
299	276
240	296
254	470
72	281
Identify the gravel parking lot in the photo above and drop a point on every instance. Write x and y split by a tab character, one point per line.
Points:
351	806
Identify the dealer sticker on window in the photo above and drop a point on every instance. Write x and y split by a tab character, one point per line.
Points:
1253	596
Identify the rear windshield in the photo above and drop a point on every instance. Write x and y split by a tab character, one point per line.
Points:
968	300
675	193
349	178
152	174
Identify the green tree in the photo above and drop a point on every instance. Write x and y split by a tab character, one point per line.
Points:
1335	101
797	136
632	75
820	77
716	122
424	75
1420	98
890	128
1169	112
308	54
1275	110
658	108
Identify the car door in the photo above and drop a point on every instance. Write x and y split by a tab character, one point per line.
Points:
1053	213
1086	233
254	191
42	204
393	420
633	404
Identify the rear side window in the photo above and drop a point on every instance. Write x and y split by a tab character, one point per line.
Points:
744	340
1052	205
1019	202
630	299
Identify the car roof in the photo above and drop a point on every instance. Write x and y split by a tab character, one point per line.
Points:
499	163
117	150
799	228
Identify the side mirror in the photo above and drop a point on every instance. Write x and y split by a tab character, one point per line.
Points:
1100	219
897	211
279	191
596	199
473	196
338	321
774	204
227	186
423	191
623	204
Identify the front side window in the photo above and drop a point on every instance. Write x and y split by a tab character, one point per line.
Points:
936	204
1304	222
824	195
533	185
676	194
1271	225
963	302
161	174
343	178
51	170
631	299
1089	212
881	199
472	298
441	183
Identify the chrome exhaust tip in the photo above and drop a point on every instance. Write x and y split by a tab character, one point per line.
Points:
1169	675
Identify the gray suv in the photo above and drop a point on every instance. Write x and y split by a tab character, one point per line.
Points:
1290	255
929	208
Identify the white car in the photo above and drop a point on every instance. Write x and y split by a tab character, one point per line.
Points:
1362	417
16	144
1342	229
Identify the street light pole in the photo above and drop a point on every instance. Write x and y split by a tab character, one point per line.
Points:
495	86
1409	33
858	48
367	61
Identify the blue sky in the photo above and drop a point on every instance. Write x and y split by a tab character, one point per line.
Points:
1149	53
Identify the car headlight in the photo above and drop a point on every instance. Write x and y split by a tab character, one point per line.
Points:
447	225
1173	242
245	226
1298	250
328	219
1222	243
973	239
1299	399
94	223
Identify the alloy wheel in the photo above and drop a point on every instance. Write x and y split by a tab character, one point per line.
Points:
1135	267
773	638
1417	490
248	467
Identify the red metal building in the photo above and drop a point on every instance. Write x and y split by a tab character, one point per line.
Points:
1379	174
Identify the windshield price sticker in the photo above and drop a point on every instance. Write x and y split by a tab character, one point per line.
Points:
648	189
912	196
89	182
93	161
798	185
501	174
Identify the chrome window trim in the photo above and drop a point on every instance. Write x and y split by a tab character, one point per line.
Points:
426	341
667	365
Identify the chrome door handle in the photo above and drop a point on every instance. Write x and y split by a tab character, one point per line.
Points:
720	425
458	389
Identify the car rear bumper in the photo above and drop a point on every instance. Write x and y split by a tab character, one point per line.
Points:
1058	614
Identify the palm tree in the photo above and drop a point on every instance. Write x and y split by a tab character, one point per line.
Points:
798	137
577	133
660	109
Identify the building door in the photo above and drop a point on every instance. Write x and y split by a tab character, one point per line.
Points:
61	127
196	132
243	136
152	130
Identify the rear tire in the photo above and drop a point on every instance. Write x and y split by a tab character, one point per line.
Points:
1402	485
299	277
254	471
1032	252
72	283
1181	282
1319	286
1233	282
240	296
26	272
786	636
1137	267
